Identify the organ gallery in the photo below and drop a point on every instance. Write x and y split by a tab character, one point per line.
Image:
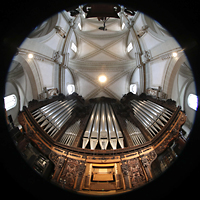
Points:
100	99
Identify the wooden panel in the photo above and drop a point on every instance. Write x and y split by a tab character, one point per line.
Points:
102	177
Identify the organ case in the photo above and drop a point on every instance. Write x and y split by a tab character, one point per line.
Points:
77	135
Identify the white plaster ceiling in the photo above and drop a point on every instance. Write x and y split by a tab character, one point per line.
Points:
102	53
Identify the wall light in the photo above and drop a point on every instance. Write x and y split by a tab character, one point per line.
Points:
174	54
30	55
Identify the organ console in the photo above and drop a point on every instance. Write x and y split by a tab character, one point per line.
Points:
103	144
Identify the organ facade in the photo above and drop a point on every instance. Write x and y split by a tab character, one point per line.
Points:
103	145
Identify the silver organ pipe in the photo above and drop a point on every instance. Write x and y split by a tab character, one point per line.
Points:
135	134
61	122
151	115
117	129
88	130
36	112
62	113
111	129
95	129
70	134
103	136
103	128
54	115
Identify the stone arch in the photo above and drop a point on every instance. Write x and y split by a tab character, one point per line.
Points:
32	74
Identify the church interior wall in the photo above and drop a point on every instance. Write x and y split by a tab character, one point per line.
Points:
157	69
47	73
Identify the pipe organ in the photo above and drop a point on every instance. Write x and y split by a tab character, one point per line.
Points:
103	144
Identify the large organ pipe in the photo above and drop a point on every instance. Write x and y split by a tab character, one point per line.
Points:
36	112
52	112
154	110
42	111
111	129
151	119
149	112
117	129
95	129
54	124
159	107
103	135
60	123
144	122
88	130
58	115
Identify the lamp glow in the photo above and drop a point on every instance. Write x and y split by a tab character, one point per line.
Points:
102	78
174	54
30	55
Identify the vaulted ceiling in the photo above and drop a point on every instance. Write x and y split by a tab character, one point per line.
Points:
102	53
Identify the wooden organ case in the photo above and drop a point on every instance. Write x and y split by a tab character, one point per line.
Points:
104	145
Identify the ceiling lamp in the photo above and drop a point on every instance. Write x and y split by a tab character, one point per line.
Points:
102	78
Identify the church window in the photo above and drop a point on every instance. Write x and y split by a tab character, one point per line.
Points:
74	47
70	88
130	47
123	25
79	25
133	88
193	101
10	101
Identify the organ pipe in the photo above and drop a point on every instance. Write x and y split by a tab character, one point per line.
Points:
111	129
88	130
117	129
103	137
95	129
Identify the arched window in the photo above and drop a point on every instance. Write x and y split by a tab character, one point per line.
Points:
10	102
193	101
133	88
70	88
